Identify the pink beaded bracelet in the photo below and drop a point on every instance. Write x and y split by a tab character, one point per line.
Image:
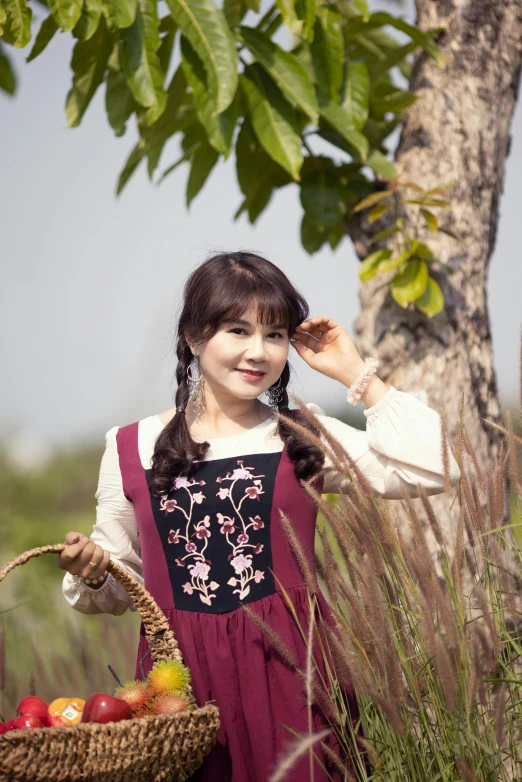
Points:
356	390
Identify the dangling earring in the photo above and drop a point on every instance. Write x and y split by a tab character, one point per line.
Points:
275	394
196	393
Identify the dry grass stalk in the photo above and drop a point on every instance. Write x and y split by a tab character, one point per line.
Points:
472	454
302	559
445	449
343	770
500	715
458	436
447	673
465	771
277	642
512	451
331	569
297	749
430	513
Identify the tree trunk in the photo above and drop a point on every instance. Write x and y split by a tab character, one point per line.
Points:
457	131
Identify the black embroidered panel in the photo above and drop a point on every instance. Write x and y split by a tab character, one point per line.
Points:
215	530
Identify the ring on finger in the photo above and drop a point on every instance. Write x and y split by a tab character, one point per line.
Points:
94	564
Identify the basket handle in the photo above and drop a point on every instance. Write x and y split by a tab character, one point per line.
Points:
161	639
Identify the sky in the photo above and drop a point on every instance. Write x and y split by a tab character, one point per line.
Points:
90	283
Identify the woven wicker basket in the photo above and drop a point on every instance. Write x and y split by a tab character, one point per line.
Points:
139	750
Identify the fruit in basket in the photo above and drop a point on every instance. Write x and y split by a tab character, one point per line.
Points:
168	676
169	704
27	721
31	705
3	728
137	694
104	708
65	711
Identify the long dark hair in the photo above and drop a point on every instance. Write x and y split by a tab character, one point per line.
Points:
224	286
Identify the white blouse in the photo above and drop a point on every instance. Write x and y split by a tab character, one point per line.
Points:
402	441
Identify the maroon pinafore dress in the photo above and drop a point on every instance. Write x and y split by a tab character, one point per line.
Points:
212	545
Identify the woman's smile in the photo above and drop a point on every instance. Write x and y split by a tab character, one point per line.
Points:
252	375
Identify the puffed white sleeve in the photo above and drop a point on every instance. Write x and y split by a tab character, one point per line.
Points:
402	441
116	532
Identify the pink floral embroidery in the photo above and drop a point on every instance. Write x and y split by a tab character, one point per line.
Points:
198	565
241	562
197	533
167	505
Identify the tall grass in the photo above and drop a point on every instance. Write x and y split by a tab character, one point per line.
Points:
431	641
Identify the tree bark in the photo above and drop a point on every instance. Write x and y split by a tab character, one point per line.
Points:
459	131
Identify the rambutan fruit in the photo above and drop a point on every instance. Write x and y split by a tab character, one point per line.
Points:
137	694
169	704
168	676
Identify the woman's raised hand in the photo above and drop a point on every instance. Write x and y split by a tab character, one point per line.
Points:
327	347
82	557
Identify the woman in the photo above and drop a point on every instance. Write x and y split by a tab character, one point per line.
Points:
189	500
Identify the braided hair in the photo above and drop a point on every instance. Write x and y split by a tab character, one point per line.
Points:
223	286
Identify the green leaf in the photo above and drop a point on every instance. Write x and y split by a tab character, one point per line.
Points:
431	302
421	250
289	15
119	102
44	35
285	69
389	99
133	161
372	199
234	11
257	173
383	235
123	12
203	161
394	263
424	39
340	121
170	121
89	20
411	283
3	18
220	128
307	11
312	238
381	165
323	199
140	63
377	212
368	268
89	61
273	119
205	26
390	59
66	12
428	202
327	49
7	75
362	7
20	16
167	42
356	99
336	235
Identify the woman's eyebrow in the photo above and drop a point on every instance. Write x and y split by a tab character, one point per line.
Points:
241	322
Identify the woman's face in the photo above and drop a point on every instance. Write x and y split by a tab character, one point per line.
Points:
244	358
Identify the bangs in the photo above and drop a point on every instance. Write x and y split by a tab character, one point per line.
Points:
271	305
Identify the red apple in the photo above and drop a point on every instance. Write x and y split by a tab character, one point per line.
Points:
33	706
3	728
104	708
24	722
